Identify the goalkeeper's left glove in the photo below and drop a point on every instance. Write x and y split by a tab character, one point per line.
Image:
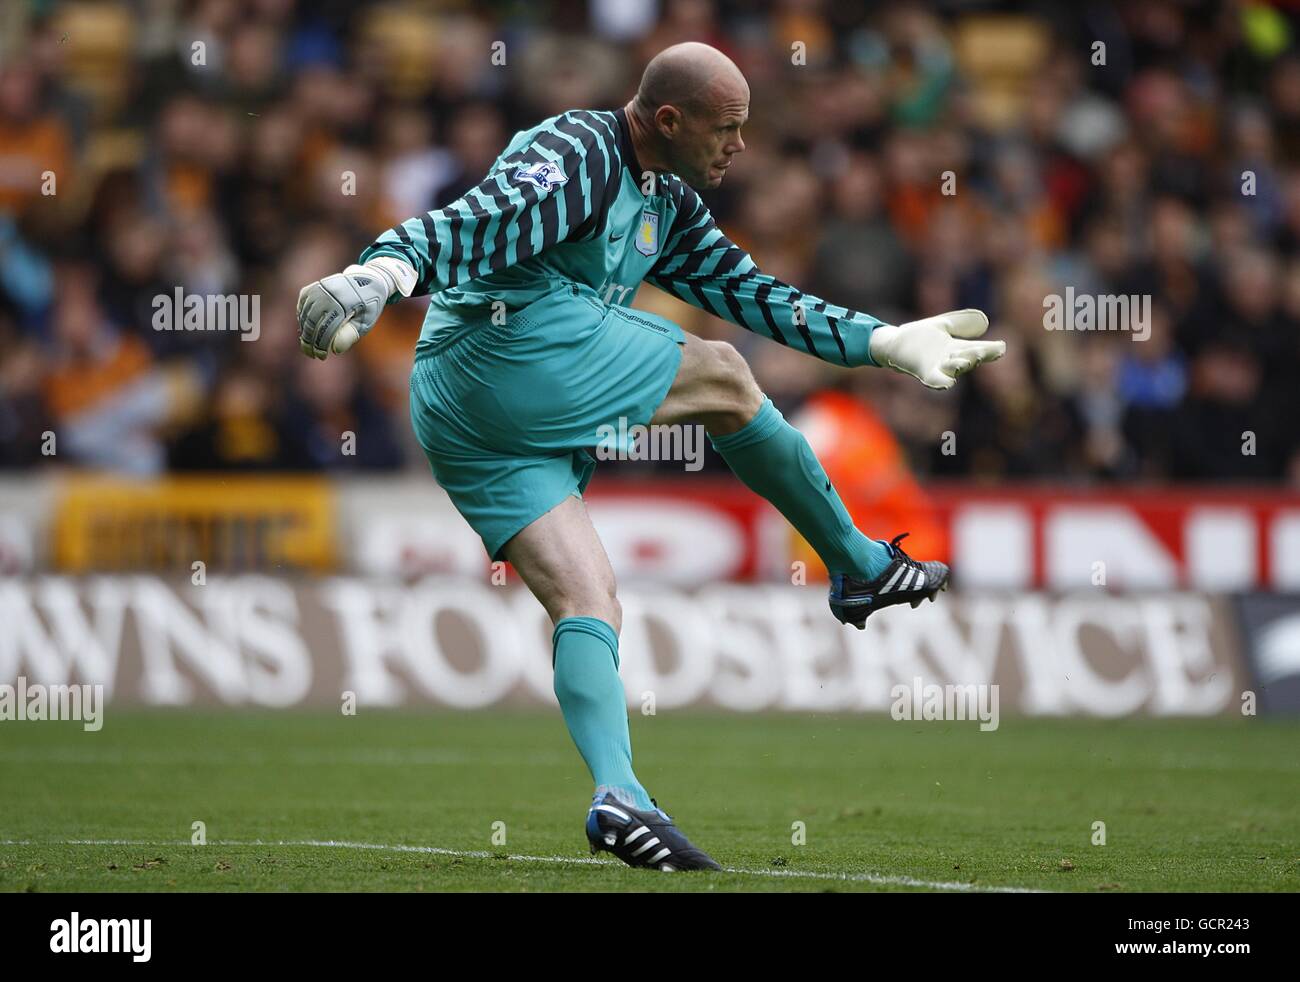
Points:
935	350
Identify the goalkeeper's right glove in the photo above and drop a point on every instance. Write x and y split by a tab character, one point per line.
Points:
335	313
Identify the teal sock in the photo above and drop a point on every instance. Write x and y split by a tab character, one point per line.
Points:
775	461
594	704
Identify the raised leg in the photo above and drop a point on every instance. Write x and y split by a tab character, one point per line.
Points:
715	387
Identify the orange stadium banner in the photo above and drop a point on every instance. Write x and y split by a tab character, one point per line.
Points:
226	523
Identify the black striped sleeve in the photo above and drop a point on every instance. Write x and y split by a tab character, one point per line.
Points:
701	266
555	185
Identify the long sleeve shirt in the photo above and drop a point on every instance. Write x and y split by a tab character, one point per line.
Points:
567	202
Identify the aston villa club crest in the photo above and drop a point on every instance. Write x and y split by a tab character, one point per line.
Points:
647	234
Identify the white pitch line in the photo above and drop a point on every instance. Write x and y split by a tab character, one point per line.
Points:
878	878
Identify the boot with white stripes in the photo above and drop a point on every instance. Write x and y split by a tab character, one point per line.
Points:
641	838
904	581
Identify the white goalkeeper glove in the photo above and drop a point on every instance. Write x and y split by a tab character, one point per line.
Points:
935	350
335	313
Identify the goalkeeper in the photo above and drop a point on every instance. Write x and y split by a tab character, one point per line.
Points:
523	358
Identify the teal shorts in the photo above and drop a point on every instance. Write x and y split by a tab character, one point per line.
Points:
506	411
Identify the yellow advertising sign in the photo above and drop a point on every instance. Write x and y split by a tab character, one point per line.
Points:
227	523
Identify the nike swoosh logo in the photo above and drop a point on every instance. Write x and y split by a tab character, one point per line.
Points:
615	238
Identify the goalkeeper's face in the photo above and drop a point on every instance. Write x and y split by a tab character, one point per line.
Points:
707	136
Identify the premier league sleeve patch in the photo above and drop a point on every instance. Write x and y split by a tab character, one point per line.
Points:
545	175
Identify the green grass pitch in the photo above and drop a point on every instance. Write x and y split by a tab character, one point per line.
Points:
398	801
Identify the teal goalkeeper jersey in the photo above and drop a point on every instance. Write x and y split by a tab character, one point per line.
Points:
567	202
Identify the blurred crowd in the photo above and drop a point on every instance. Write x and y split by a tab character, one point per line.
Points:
903	159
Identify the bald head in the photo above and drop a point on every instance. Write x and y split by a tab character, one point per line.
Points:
687	113
688	76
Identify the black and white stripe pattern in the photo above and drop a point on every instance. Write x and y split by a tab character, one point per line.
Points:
504	220
653	840
642	838
905	578
637	834
701	266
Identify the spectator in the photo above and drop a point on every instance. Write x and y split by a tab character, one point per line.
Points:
108	401
900	162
